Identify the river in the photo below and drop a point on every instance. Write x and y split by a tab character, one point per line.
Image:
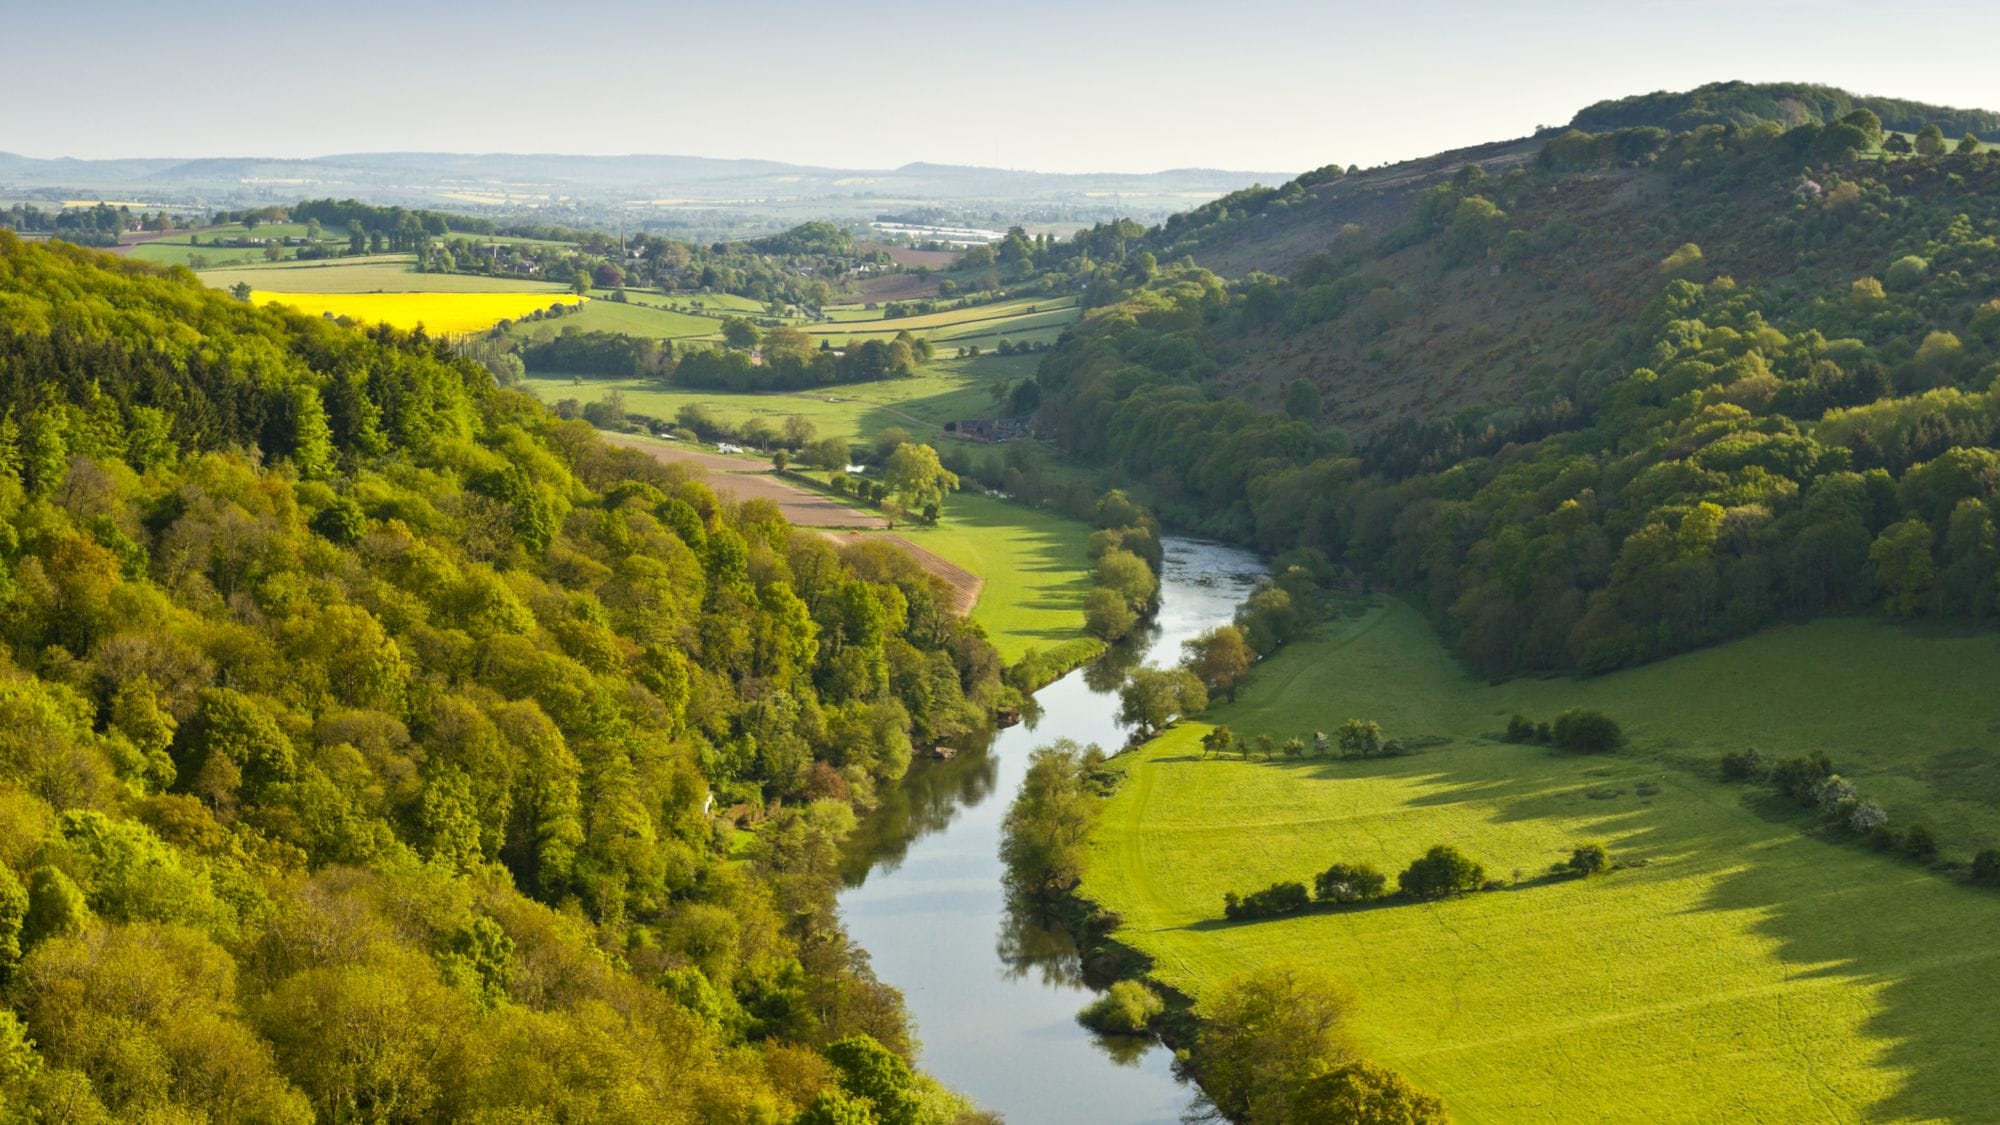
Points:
995	997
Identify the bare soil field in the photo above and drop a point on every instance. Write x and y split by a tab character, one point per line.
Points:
745	480
905	256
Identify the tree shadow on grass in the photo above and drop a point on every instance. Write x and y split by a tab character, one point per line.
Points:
1918	941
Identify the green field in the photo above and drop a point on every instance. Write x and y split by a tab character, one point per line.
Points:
948	389
644	321
1036	566
1743	969
376	273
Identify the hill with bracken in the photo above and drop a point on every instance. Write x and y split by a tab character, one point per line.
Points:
1592	397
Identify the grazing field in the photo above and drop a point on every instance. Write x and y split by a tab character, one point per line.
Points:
1022	572
946	390
643	321
1743	968
380	273
439	313
1035	564
1018	319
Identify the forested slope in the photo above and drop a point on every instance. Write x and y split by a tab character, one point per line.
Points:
1617	396
358	722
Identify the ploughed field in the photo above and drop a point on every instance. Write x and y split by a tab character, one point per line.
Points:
1743	964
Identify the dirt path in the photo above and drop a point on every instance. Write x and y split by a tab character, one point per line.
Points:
746	480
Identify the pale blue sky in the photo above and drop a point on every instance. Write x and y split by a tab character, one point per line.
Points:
1056	86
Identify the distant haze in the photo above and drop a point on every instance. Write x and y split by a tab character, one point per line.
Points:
1035	84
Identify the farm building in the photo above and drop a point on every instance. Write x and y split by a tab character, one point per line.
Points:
989	429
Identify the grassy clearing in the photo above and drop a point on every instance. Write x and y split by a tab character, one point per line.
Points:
948	389
439	313
381	273
1036	566
1747	971
644	321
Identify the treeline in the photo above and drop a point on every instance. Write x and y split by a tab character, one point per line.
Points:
1441	872
361	727
1732	456
1784	104
86	226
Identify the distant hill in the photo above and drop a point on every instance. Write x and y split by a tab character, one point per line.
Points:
1785	103
494	180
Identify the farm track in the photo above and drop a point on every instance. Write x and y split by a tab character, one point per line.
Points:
741	480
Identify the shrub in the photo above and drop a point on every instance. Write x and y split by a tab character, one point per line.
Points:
1986	867
1360	737
1867	817
1587	732
1442	871
1588	860
1918	843
1798	778
1125	1010
1520	729
1744	765
1349	882
1884	838
1276	899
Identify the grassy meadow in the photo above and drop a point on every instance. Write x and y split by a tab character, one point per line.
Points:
376	273
947	389
1741	968
1036	566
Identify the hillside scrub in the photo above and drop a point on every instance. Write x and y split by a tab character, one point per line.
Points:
367	718
1765	439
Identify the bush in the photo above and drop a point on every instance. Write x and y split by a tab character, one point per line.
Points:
1442	871
1126	1009
1743	765
1588	860
1799	778
1884	838
1520	729
1349	882
1586	732
1986	867
1276	899
1918	843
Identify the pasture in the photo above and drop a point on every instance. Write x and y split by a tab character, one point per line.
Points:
945	390
1036	567
376	273
439	313
1741	967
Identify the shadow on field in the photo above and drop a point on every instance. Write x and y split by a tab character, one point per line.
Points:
1913	948
1922	942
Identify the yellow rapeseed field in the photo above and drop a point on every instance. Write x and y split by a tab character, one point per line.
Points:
439	313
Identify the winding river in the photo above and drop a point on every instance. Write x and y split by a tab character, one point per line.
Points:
995	996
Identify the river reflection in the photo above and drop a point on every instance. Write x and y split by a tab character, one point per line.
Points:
995	991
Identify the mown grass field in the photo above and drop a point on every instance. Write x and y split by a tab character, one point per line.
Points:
376	273
439	313
644	321
948	389
1036	566
1745	969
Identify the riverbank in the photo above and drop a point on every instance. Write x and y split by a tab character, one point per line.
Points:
1737	929
994	994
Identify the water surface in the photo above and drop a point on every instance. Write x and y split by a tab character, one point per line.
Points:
994	995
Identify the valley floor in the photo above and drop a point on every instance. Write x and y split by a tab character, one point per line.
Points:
1740	967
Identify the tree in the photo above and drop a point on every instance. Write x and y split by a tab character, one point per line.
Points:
1442	871
829	453
1966	144
241	291
1042	838
1302	400
1217	740
1930	140
1221	658
1901	563
1588	860
1267	1034
1345	883
780	459
915	477
1125	1009
579	283
1919	843
1360	738
1361	1093
738	332
799	430
1587	732
1155	697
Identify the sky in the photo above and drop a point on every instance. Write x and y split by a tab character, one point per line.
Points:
1048	85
